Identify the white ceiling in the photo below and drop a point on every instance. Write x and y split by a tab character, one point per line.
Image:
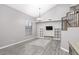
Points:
32	9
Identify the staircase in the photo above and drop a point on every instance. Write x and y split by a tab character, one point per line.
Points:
71	19
70	27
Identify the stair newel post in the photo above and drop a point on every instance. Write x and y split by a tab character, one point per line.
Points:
62	24
77	18
65	24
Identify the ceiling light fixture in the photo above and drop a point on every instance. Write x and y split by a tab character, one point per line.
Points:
39	17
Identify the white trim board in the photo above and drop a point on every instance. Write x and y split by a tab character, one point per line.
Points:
17	43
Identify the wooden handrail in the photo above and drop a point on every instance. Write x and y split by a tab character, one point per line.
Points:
68	22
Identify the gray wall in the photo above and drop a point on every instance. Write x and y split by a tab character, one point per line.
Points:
56	12
12	25
71	35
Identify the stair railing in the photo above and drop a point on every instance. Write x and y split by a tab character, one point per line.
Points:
70	20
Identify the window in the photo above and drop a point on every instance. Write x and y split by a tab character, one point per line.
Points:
28	27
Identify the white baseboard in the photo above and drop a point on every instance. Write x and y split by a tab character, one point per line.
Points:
27	39
64	49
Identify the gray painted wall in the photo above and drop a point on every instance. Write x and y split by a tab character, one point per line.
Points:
71	35
56	12
12	25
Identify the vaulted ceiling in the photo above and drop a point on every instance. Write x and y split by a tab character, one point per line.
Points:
32	9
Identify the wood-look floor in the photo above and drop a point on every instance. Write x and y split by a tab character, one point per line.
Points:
36	47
